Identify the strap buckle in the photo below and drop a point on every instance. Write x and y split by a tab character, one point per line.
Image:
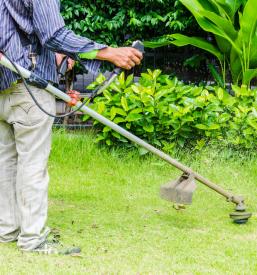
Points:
33	58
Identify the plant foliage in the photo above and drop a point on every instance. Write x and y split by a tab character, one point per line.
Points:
234	26
165	112
115	22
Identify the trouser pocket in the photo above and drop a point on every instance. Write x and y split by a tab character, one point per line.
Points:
25	111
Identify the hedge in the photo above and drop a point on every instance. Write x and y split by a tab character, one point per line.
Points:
115	22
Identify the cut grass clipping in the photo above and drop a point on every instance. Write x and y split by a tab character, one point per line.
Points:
107	202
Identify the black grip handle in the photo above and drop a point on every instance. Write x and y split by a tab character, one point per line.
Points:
138	45
62	69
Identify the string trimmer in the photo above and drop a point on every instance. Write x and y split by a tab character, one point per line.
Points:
179	191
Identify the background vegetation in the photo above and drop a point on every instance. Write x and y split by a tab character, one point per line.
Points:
233	26
116	22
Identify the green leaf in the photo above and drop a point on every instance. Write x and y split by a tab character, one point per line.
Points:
201	127
133	117
182	40
120	112
142	151
207	22
108	142
156	74
214	127
107	95
124	103
121	79
113	113
117	135
106	129
136	111
253	124
119	120
129	80
216	75
249	75
101	107
149	128
220	93
100	79
135	89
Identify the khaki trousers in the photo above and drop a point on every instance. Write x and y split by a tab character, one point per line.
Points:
25	141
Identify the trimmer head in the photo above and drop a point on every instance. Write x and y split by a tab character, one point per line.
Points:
179	191
240	217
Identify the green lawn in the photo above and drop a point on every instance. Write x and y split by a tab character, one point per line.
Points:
107	202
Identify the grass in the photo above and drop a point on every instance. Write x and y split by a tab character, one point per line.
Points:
106	201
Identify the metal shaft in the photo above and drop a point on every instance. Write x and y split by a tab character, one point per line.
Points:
58	93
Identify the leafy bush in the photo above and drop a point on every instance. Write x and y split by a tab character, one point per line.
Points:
114	22
165	112
234	26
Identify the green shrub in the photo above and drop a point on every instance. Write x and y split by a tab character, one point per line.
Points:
115	22
165	112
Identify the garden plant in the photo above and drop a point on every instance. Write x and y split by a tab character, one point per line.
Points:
116	22
166	112
234	27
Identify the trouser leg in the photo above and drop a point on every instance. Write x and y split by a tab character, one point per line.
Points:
9	223
32	131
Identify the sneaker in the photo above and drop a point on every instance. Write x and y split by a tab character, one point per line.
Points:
52	248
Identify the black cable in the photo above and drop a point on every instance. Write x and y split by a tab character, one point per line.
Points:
33	97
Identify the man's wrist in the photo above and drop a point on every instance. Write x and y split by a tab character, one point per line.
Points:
105	54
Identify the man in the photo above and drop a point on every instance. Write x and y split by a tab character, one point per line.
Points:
25	132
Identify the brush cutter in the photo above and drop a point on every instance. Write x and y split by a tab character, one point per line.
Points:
179	191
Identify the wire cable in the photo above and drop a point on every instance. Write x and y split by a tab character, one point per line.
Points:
33	97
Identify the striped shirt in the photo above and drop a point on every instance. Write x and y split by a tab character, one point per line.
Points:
41	20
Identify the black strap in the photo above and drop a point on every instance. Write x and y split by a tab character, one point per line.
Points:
26	40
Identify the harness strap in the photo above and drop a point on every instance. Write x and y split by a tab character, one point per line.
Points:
34	49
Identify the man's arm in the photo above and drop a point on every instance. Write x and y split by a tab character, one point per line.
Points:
50	29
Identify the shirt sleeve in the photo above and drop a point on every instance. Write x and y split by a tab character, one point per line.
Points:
50	29
66	42
46	18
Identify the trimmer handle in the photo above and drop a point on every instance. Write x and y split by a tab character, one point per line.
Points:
138	45
62	69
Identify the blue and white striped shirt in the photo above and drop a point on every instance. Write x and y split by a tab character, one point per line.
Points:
41	20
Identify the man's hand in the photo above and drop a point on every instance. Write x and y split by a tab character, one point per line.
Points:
59	59
125	58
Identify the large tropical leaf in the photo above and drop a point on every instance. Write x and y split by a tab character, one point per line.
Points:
235	66
207	23
230	6
224	46
247	37
248	21
221	23
249	75
253	53
182	40
164	41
